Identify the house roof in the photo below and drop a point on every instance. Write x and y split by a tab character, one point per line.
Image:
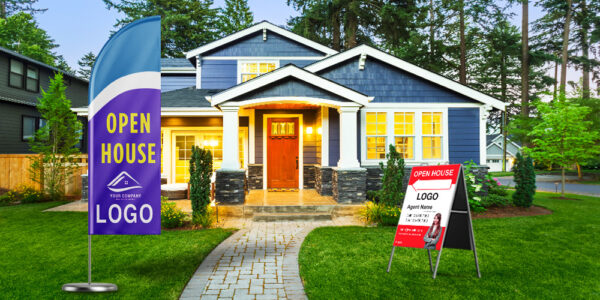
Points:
287	72
39	63
264	25
187	97
408	67
176	65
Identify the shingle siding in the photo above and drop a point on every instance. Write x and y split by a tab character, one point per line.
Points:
463	134
292	88
275	45
170	82
219	74
389	84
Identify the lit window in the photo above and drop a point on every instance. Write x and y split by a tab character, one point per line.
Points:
376	135
432	135
249	70
404	131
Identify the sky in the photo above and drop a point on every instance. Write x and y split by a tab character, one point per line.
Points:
80	26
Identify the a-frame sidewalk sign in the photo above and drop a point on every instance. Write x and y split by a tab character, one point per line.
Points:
435	213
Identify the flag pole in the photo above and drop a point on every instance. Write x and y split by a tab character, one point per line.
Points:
89	286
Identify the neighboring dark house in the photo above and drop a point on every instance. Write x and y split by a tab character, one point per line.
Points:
21	82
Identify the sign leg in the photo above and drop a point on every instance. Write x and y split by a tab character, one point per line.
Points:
437	263
391	257
430	263
474	249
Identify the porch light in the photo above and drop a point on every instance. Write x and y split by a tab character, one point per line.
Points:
320	130
214	143
309	130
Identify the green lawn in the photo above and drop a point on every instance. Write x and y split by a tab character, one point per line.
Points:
552	256
41	251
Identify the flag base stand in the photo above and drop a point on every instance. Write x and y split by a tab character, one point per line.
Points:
89	287
93	287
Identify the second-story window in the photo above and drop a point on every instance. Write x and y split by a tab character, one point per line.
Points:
33	79
251	69
17	72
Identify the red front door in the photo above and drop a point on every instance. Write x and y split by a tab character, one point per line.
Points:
282	152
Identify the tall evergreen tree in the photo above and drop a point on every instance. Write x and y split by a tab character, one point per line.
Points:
185	24
235	16
10	7
21	33
85	65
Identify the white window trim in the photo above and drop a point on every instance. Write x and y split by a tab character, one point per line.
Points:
418	153
258	61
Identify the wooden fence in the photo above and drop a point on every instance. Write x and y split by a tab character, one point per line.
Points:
14	172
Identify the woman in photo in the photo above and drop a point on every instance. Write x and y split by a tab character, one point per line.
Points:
433	234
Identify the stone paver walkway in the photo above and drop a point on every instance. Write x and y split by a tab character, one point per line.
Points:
259	262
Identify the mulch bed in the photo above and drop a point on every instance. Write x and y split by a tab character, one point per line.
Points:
512	211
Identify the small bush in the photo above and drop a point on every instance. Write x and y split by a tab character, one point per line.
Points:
474	187
23	194
494	200
392	193
170	215
380	214
206	219
524	181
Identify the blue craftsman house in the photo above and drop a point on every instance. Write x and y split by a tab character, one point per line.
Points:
279	111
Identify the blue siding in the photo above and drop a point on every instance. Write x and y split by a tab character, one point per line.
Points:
169	83
297	62
290	87
275	45
219	74
334	137
463	129
389	84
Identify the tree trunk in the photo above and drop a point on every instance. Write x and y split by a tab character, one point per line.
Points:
351	28
585	48
336	34
503	98
462	71
565	49
431	32
579	174
562	188
555	80
2	9
525	60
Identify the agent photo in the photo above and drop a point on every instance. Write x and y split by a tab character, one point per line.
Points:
432	236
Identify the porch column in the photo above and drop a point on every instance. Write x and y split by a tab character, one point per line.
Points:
348	137
231	160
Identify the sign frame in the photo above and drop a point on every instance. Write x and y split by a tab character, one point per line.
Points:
456	227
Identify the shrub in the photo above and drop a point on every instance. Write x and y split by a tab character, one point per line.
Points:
23	194
206	219
495	200
474	187
200	173
380	214
524	181
391	193
170	215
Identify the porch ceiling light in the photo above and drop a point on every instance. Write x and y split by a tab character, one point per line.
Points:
309	130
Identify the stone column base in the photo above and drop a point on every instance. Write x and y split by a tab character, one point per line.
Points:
229	186
255	177
323	181
349	185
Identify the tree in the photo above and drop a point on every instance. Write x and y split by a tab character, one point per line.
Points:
55	142
563	136
85	65
392	193
235	16
62	64
10	7
20	33
525	60
200	173
524	181
185	24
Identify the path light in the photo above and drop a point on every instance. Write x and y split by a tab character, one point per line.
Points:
308	130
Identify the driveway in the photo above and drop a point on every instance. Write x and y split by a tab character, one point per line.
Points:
548	183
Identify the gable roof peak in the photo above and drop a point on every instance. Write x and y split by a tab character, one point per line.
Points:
262	25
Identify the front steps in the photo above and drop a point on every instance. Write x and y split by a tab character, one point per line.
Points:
279	213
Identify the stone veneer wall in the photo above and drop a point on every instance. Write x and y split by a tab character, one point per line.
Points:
310	176
374	177
349	186
255	177
323	181
229	187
